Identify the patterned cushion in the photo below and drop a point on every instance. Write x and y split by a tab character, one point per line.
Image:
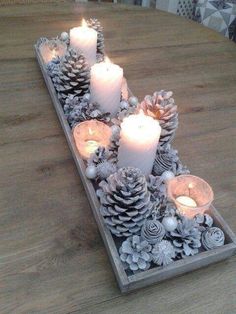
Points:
180	7
218	15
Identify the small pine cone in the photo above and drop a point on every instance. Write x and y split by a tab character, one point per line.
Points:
167	159
135	254
152	231
163	253
79	109
161	106
105	169
96	25
205	221
73	76
186	237
125	201
212	238
157	188
53	66
114	142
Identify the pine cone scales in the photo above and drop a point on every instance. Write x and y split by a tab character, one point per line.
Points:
73	75
161	106
125	201
96	25
186	238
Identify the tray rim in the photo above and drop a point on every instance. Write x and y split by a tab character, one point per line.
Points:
154	275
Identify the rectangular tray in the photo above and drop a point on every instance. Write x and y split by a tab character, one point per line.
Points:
157	274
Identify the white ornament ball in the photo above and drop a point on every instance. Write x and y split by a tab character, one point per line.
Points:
170	223
133	101
115	130
124	104
64	36
86	97
91	172
167	175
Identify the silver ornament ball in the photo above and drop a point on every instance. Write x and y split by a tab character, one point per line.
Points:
64	36
86	97
124	104
167	175
91	172
133	101
170	223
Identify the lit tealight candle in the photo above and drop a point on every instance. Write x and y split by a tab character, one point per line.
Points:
89	135
84	40
139	138
105	85
186	200
51	49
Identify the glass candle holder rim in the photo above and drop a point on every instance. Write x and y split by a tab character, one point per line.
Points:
170	194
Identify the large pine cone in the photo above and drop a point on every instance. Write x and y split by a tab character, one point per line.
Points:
161	106
73	76
167	159
96	25
186	238
125	201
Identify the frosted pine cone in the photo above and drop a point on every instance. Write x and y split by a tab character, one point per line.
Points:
186	237
204	221
105	169
135	254
78	109
161	106
96	25
100	155
125	201
53	66
167	159
163	253
212	238
152	231
73	76
157	188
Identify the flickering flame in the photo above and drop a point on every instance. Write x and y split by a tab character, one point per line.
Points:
107	60
90	131
84	24
190	186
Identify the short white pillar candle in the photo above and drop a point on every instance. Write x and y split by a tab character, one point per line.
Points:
139	138
84	40
105	86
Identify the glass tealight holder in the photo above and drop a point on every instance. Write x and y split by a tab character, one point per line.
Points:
89	135
191	195
51	49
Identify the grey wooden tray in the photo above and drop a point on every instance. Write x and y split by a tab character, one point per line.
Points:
131	282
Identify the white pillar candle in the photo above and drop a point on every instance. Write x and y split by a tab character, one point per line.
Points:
84	40
139	138
105	86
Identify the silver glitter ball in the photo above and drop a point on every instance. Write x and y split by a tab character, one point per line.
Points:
91	172
124	104
133	101
169	223
167	175
64	36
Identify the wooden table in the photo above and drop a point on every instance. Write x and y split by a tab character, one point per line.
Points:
52	259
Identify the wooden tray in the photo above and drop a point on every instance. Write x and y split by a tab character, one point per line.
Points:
157	274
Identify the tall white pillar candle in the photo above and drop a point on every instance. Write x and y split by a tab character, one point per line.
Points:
138	142
84	40
105	86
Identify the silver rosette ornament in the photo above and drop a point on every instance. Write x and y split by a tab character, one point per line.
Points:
212	238
152	231
163	253
125	201
135	254
161	106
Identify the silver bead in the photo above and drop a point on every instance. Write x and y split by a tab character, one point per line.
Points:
64	36
91	172
133	101
124	104
169	223
167	175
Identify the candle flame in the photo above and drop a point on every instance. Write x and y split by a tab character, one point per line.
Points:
84	24
90	131
190	186
107	60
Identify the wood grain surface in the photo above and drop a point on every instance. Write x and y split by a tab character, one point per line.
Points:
52	259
